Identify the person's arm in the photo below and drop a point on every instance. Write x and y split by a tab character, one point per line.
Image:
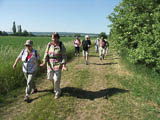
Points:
15	63
38	58
89	43
18	59
64	58
80	43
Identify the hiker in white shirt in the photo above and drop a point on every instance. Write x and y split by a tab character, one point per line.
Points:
30	59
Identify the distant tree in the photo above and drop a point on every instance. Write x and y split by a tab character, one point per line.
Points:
31	34
0	32
4	33
14	28
77	34
103	34
19	29
25	33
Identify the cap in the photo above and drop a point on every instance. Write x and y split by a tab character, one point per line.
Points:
29	42
86	36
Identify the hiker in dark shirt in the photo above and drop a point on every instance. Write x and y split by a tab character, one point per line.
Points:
86	44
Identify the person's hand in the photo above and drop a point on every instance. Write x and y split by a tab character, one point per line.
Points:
41	65
14	66
64	68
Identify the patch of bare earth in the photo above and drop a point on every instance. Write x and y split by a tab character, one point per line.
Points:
93	106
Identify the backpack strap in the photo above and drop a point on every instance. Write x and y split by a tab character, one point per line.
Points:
49	45
36	53
60	45
23	52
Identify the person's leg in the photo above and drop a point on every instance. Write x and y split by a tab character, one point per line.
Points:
33	85
50	75
100	53
30	85
103	52
26	97
86	52
96	48
78	51
75	51
106	51
57	78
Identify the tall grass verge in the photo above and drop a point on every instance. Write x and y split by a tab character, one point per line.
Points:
143	83
10	48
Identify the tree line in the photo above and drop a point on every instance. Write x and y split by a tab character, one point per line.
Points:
135	30
17	31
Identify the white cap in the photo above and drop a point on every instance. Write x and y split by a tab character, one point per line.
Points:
86	36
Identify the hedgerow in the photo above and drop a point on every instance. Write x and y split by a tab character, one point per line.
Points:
135	30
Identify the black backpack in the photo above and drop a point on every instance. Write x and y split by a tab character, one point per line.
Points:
85	44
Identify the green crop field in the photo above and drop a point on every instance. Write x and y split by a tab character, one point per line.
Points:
10	48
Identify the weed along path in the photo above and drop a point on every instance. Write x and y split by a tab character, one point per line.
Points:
97	91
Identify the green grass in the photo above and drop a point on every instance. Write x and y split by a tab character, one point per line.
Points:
132	92
10	48
144	85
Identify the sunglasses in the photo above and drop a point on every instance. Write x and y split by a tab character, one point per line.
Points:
28	45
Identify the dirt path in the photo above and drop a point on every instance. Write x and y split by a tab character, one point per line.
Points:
98	91
91	88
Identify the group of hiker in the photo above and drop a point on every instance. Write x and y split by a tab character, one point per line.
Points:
55	58
101	47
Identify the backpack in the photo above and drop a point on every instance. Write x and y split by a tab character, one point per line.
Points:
103	43
34	51
107	44
85	44
60	45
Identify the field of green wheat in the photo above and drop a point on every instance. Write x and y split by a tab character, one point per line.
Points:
10	47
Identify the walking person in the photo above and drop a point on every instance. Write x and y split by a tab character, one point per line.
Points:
97	45
30	59
102	45
106	47
77	44
55	57
86	44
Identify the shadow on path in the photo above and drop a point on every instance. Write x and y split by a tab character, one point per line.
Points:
103	63
83	94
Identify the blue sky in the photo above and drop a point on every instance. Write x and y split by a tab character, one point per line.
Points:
88	16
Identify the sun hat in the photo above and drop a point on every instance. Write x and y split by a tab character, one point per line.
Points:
29	42
86	36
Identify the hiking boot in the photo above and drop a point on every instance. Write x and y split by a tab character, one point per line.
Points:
86	62
103	57
26	98
57	96
34	91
